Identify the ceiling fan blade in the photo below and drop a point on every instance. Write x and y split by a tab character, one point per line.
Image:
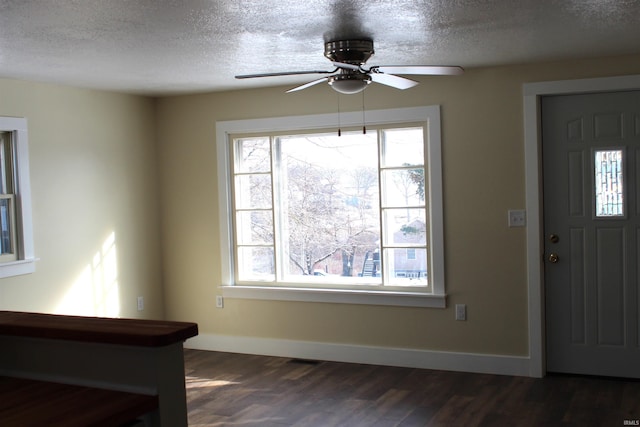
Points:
306	85
393	81
419	69
284	73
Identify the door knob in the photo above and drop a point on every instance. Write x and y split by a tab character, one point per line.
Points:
553	258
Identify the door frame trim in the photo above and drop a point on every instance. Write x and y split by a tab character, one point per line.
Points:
532	92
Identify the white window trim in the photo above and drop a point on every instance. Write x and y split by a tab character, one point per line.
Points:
25	263
429	115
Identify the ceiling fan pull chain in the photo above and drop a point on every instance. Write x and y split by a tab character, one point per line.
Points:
339	124
364	128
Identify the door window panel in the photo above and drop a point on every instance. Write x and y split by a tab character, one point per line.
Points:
609	183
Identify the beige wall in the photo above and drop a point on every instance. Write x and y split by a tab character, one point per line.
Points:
138	175
483	156
93	163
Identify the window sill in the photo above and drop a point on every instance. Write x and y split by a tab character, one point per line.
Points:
17	268
336	296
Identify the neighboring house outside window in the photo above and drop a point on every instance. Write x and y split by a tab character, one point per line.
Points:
409	263
16	236
312	210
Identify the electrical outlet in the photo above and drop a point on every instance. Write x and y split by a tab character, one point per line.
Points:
517	218
140	303
461	312
219	301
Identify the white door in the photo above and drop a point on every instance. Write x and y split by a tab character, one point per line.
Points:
591	151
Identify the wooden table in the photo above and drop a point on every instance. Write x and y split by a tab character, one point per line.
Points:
130	355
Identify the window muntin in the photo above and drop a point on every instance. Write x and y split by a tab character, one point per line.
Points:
609	183
315	216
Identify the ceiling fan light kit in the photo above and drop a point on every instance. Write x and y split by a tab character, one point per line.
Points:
349	83
349	77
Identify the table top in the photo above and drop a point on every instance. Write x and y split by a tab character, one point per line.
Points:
136	332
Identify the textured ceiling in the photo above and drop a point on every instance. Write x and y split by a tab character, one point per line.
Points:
160	47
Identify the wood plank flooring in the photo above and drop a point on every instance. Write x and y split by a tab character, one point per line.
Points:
225	389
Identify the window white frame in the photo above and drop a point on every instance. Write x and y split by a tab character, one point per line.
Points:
25	262
429	115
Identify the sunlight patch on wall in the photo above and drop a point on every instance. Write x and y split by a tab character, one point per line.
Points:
95	292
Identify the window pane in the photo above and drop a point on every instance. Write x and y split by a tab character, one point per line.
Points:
6	220
252	155
402	187
329	192
6	163
404	227
609	192
254	227
402	271
253	191
256	263
402	147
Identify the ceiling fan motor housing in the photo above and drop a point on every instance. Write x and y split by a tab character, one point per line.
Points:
355	52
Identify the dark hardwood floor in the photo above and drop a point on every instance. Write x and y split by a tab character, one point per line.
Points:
225	389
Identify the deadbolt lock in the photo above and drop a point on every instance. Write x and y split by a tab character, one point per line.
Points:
553	238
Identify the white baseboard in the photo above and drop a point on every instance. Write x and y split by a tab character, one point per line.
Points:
402	357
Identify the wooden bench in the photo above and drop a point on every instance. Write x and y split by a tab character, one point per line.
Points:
100	371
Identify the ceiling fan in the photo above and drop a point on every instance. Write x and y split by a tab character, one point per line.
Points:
349	77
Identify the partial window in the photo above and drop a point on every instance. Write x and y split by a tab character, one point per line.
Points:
16	237
314	209
8	244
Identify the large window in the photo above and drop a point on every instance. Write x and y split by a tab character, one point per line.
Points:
310	210
16	239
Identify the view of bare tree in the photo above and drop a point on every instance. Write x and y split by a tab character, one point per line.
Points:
329	211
